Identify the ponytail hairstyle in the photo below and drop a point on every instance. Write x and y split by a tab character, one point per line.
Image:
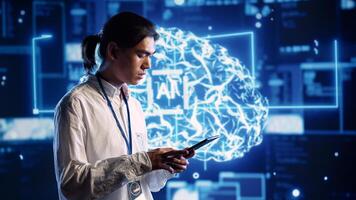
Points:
126	29
88	51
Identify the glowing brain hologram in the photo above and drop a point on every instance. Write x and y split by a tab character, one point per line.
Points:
195	90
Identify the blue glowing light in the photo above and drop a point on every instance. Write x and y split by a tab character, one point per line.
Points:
296	193
196	175
179	2
195	89
35	109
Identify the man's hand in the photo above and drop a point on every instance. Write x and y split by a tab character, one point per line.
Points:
174	161
191	153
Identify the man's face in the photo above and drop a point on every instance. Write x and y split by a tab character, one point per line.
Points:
131	64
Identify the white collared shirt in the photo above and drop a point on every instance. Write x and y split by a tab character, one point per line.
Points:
90	154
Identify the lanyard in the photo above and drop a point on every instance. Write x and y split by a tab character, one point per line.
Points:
127	141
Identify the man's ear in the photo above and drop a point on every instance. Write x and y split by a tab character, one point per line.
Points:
112	50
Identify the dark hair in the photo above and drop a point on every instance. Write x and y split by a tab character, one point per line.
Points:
126	29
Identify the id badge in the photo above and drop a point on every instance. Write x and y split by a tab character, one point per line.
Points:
135	191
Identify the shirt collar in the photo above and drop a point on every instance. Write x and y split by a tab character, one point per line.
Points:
110	89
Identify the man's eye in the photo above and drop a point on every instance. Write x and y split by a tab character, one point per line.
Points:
140	55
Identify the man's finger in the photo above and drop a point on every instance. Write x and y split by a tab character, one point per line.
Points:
178	171
176	153
176	166
166	149
167	167
181	161
191	153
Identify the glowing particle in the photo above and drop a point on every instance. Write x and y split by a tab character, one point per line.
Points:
336	154
196	175
325	178
258	24
316	43
296	193
316	51
258	16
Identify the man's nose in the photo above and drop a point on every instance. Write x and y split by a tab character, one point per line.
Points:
147	62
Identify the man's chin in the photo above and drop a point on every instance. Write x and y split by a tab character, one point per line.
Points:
135	82
138	81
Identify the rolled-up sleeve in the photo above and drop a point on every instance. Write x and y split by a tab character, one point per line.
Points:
76	177
157	179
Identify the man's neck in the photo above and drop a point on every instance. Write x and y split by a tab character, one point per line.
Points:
109	77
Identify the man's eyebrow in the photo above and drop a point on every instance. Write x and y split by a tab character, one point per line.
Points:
145	52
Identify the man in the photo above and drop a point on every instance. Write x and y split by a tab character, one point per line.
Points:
100	143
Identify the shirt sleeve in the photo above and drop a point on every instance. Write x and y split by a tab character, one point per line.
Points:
157	179
76	177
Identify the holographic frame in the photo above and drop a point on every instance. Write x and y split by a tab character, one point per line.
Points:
321	106
35	73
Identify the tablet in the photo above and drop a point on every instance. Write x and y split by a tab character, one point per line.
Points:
204	142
